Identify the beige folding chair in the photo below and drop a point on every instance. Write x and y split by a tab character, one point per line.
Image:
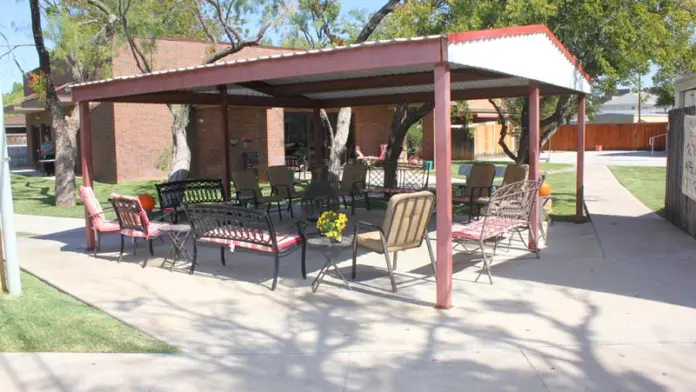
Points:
248	191
479	186
405	226
283	185
353	184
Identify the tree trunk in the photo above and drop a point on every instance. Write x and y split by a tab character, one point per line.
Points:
404	118
338	139
181	154
66	153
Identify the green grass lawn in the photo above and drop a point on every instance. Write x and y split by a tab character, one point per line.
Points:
545	166
36	195
646	183
43	319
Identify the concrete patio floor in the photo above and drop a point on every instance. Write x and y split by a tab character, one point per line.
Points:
591	314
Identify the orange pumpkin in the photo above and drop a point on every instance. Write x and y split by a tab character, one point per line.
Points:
147	201
545	189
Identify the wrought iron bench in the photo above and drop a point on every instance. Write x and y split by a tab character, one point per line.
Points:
232	227
406	179
172	195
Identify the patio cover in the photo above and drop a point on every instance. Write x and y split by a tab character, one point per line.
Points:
525	61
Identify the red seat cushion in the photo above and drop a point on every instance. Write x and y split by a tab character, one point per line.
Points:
494	227
153	231
284	241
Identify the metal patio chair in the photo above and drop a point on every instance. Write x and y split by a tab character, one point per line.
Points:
353	185
508	212
405	226
282	184
479	186
96	214
248	191
134	223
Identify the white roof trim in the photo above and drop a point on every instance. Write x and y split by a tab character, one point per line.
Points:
531	56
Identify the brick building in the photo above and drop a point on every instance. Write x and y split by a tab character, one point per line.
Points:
127	139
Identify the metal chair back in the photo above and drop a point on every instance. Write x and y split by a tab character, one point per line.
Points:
510	206
279	177
226	222
130	213
407	218
353	173
246	184
515	173
481	177
174	194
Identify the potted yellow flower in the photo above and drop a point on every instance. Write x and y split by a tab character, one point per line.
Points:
331	225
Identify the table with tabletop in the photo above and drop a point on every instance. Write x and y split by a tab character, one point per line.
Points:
331	250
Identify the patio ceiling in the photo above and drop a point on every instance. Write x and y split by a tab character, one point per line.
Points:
484	64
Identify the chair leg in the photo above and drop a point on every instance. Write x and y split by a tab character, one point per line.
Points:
352	205
486	265
275	272
367	201
97	237
394	262
222	255
280	214
355	256
123	245
304	256
292	213
195	255
430	251
149	245
147	255
391	272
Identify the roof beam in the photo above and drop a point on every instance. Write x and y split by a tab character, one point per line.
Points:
457	95
189	98
373	82
396	54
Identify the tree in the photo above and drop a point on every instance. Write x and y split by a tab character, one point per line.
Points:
225	23
317	24
612	39
13	96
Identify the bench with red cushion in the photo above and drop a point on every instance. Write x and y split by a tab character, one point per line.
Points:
232	226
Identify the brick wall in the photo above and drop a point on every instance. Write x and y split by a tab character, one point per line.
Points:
264	126
372	127
144	130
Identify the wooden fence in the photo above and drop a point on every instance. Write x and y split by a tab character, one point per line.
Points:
480	141
609	136
679	209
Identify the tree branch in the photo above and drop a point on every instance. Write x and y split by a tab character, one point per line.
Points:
375	20
551	124
503	130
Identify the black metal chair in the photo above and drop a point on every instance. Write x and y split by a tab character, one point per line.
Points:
134	223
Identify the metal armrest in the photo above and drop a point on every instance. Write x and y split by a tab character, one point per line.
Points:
363	223
240	194
275	188
358	187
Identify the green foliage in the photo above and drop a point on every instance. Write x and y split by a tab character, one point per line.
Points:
319	24
13	96
164	160
414	138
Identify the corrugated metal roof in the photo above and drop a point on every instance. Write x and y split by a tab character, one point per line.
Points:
277	56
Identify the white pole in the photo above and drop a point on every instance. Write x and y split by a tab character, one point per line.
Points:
9	236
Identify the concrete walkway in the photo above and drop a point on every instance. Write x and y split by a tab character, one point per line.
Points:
608	311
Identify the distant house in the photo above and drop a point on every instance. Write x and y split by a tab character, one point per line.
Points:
16	135
623	109
685	91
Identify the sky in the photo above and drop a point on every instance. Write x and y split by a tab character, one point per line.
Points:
15	24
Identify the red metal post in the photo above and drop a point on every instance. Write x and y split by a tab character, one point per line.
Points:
443	179
86	154
534	155
318	137
580	169
226	142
